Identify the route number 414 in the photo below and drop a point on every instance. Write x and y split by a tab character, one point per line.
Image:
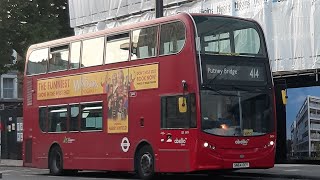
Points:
254	73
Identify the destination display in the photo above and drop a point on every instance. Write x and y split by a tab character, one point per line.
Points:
235	72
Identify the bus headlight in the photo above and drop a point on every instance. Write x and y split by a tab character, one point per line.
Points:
205	144
271	143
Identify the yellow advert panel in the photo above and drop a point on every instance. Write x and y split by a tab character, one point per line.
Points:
137	78
143	77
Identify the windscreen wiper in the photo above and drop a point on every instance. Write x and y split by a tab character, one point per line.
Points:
208	87
250	89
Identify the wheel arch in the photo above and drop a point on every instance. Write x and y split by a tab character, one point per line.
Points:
141	144
53	145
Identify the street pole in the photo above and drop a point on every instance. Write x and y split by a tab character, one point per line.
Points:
159	8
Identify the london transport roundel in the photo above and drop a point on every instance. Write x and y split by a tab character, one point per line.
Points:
125	144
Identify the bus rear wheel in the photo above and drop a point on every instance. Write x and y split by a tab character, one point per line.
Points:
145	163
56	161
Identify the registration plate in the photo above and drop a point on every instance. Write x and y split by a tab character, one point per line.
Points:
241	165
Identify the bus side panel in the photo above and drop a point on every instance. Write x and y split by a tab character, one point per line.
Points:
144	121
34	148
178	155
97	150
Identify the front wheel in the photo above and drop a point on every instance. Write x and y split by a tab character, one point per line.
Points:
56	161
145	163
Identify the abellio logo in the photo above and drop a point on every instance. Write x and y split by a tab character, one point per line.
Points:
180	141
243	142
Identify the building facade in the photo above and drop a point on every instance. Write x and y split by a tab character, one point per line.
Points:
11	121
305	130
280	20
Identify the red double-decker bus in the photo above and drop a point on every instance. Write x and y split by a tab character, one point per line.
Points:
184	93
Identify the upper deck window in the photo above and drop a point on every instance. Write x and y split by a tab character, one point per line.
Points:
242	40
58	58
172	38
144	43
75	55
92	52
37	63
117	49
229	36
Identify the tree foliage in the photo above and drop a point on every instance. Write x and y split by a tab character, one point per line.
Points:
26	22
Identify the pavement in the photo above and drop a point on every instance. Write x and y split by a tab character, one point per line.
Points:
11	162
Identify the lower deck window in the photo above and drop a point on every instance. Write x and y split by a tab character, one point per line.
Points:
171	117
57	119
91	116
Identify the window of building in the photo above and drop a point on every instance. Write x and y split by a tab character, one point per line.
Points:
172	38
171	117
43	119
92	52
75	55
144	43
37	62
57	118
74	118
91	116
58	59
8	87
117	49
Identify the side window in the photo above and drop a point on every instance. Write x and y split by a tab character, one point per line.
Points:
58	59
37	62
117	49
75	55
247	41
57	119
74	118
144	43
172	117
172	38
92	52
43	119
91	116
218	43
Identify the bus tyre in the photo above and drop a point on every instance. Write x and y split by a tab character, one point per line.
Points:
56	161
145	163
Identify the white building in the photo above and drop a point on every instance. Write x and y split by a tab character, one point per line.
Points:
305	130
288	24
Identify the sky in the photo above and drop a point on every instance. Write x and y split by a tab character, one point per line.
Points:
296	97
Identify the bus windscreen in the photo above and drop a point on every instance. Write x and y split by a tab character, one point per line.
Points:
229	36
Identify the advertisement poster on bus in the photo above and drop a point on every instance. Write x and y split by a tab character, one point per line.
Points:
117	91
143	77
137	78
119	83
70	86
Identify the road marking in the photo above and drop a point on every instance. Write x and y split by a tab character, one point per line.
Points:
28	175
289	165
292	170
6	171
27	170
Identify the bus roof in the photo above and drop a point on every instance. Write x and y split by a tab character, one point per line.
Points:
119	29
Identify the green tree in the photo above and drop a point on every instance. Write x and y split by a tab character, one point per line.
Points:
26	22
